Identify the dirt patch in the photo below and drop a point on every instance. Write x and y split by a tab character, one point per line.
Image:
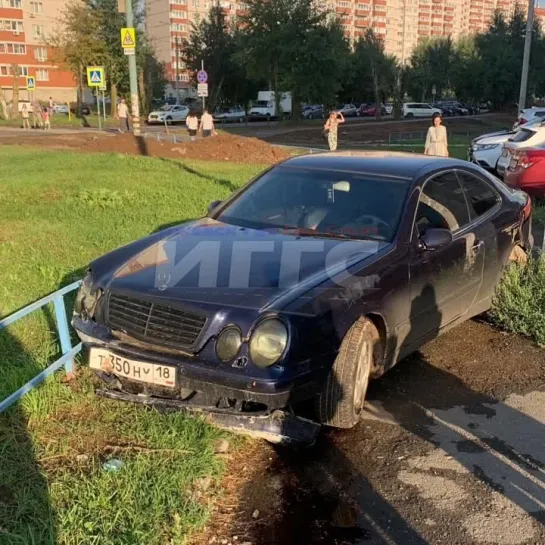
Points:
370	132
224	147
462	408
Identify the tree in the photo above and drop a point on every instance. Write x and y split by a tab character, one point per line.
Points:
373	65
213	42
295	46
431	64
77	42
15	90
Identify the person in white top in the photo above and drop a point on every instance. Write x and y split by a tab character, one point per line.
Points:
192	124
436	139
123	114
207	124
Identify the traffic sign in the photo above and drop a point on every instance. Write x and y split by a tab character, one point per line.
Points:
202	89
95	76
31	83
128	38
202	76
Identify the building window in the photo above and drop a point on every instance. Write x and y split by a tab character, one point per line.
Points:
195	3
16	4
42	75
37	31
23	70
178	27
13	49
343	4
365	7
36	7
40	53
11	26
177	14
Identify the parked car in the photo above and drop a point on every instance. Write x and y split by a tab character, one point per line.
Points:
370	110
313	112
529	113
348	110
233	114
525	137
61	109
526	171
389	108
419	109
451	108
319	275
169	114
486	149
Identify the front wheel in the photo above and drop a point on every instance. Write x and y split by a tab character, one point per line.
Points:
409	115
341	401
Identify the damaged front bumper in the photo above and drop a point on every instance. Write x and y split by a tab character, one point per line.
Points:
276	427
236	403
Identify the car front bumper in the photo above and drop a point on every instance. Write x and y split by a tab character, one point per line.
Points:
210	385
487	159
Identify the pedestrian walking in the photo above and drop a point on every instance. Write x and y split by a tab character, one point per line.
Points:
123	114
46	119
436	139
25	116
331	128
206	127
192	124
51	106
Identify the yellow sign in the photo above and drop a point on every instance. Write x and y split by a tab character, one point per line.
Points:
128	38
95	76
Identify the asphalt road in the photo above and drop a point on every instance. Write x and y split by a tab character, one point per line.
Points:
450	452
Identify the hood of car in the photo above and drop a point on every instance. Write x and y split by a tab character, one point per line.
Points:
212	263
505	133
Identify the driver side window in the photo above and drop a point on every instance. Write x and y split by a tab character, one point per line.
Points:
442	204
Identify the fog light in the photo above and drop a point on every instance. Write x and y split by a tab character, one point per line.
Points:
228	343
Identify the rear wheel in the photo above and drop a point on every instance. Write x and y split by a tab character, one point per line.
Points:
341	402
410	115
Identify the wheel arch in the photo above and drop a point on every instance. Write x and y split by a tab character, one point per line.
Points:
379	351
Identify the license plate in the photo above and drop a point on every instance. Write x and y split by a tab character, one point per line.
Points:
150	373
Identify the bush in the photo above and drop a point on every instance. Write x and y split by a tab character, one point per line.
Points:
519	302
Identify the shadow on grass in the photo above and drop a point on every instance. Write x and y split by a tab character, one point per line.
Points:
26	514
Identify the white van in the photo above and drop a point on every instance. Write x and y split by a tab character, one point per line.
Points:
265	105
419	109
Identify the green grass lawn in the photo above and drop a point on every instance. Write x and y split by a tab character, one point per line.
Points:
61	121
59	210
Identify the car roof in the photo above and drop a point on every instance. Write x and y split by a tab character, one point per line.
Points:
395	164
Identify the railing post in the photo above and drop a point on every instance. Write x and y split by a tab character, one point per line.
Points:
64	332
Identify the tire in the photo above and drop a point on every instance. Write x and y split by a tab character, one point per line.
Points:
341	401
410	115
169	120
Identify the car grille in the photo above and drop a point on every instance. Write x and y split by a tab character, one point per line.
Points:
154	323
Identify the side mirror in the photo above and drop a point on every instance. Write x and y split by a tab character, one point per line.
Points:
435	238
212	206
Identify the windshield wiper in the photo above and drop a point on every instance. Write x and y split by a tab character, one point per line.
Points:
320	234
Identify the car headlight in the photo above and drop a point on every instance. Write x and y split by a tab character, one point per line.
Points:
86	300
484	147
268	342
228	343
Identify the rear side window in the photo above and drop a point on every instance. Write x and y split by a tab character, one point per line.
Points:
521	136
480	196
442	204
540	114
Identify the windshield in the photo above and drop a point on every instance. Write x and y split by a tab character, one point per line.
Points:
261	104
521	136
165	108
331	203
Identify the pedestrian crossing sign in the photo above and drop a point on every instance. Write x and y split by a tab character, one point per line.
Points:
31	83
128	38
95	76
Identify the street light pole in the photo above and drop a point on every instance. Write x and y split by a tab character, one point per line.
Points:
526	57
133	80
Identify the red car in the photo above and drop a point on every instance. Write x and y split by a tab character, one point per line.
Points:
370	110
526	171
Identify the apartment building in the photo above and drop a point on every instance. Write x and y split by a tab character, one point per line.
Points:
401	23
23	26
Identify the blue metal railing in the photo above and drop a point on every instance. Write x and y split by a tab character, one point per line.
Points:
68	352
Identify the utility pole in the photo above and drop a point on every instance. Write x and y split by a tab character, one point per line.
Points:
133	80
526	57
177	77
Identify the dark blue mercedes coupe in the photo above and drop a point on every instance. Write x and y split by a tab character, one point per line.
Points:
315	277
